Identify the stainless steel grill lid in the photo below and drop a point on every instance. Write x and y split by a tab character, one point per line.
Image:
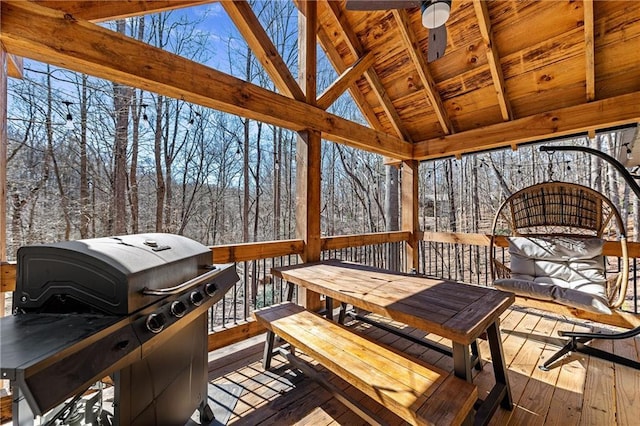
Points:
104	274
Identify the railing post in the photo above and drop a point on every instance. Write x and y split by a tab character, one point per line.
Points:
409	190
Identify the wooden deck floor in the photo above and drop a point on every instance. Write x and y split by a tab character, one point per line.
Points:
581	391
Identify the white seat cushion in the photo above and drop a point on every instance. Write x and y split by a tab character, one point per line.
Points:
569	271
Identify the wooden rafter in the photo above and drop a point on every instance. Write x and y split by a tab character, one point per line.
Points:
372	77
484	23
48	36
589	50
430	89
591	116
345	80
106	10
14	66
258	40
338	64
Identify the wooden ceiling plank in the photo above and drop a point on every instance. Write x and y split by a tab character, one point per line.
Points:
49	36
431	91
589	50
258	40
372	78
606	113
484	22
15	66
106	10
345	80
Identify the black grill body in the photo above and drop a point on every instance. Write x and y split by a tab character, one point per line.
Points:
134	307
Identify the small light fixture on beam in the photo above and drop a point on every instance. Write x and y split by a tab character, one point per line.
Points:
145	117
69	124
435	13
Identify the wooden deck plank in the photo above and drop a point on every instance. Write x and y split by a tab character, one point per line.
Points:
627	383
536	397
566	404
599	403
518	359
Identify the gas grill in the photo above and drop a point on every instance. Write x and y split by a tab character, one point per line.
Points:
133	307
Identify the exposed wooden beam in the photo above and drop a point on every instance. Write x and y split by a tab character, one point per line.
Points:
354	45
484	23
49	36
589	50
430	89
106	10
258	40
601	114
15	66
346	79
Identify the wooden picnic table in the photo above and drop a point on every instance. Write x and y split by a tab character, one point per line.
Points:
459	312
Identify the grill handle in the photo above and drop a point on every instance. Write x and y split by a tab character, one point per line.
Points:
181	287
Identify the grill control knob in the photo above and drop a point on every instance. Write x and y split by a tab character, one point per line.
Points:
210	289
196	298
155	323
178	309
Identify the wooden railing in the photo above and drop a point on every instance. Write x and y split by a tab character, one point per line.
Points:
231	318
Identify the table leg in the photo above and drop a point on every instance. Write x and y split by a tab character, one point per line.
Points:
462	361
268	350
343	312
499	365
290	288
475	352
329	306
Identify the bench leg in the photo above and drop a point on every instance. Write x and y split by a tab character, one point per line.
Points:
268	350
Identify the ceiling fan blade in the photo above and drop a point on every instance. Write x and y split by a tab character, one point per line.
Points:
380	4
437	43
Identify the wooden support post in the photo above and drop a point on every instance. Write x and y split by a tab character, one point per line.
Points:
3	174
409	190
3	164
308	154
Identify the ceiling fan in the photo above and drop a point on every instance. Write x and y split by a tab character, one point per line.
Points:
434	15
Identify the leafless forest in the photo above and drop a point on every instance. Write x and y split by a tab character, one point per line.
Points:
89	158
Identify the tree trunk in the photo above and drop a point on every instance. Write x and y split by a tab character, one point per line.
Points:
85	216
63	196
134	202
157	154
121	101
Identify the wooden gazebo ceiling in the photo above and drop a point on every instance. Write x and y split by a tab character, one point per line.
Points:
514	71
537	64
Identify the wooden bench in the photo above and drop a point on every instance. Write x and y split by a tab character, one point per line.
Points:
419	393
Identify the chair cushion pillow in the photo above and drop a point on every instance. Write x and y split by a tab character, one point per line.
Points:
569	271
